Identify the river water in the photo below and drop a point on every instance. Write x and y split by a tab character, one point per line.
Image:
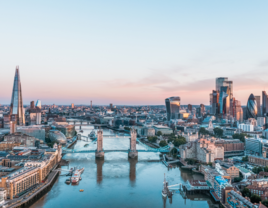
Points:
118	181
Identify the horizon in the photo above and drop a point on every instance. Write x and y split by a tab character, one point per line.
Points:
133	53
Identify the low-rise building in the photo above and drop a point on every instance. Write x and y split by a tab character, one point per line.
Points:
23	139
203	150
163	129
232	171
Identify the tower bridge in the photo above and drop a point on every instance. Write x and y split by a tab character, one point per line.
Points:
132	151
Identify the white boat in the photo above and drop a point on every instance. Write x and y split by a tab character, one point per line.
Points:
76	176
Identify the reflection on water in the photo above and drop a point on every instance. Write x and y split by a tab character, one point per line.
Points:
118	181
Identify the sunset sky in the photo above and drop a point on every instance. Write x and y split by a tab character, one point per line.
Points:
132	52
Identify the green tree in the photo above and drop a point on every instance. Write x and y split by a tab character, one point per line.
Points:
190	161
179	141
255	198
163	143
159	133
265	169
265	203
174	151
246	192
257	170
241	136
152	138
238	179
218	132
203	131
245	159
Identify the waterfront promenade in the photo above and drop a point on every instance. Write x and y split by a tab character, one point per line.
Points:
29	197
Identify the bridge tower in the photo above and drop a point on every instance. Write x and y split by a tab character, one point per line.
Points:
99	151
132	151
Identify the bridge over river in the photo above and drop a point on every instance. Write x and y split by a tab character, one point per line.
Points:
132	151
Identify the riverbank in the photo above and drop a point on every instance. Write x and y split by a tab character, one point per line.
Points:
35	194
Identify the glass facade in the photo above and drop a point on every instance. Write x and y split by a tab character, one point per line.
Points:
16	106
252	109
173	107
264	103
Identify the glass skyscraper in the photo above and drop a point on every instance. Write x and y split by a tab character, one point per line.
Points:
173	107
264	103
16	106
252	109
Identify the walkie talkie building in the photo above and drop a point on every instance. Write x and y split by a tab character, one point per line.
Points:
173	107
16	106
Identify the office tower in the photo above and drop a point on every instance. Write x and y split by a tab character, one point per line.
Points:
111	106
38	104
258	100
72	106
237	110
224	100
190	107
16	106
264	103
215	102
198	112
220	82
252	109
173	107
202	108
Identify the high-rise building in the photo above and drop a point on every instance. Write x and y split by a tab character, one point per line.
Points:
173	107
72	106
202	108
264	103
38	104
258	100
237	111
252	109
224	100
16	106
214	102
220	82
111	106
190	107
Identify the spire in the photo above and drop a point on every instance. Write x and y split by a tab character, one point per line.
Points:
16	106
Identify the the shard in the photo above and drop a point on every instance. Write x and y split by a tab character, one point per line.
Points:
16	106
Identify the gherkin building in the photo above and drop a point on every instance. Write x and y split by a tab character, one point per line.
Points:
252	109
16	106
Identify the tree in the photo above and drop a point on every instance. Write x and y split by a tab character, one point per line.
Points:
152	138
179	141
163	143
238	179
246	192
174	151
245	159
241	136
257	170
265	203
255	198
218	132
159	133
190	161
203	131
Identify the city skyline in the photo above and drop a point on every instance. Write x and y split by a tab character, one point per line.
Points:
133	53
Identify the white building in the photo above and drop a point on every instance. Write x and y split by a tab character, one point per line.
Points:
260	121
246	127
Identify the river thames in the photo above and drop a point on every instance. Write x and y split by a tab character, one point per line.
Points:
118	181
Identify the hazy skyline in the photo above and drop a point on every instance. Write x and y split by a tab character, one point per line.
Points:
138	52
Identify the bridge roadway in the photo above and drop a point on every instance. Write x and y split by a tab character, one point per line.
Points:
106	151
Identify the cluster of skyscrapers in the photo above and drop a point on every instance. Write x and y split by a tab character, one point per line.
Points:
223	103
